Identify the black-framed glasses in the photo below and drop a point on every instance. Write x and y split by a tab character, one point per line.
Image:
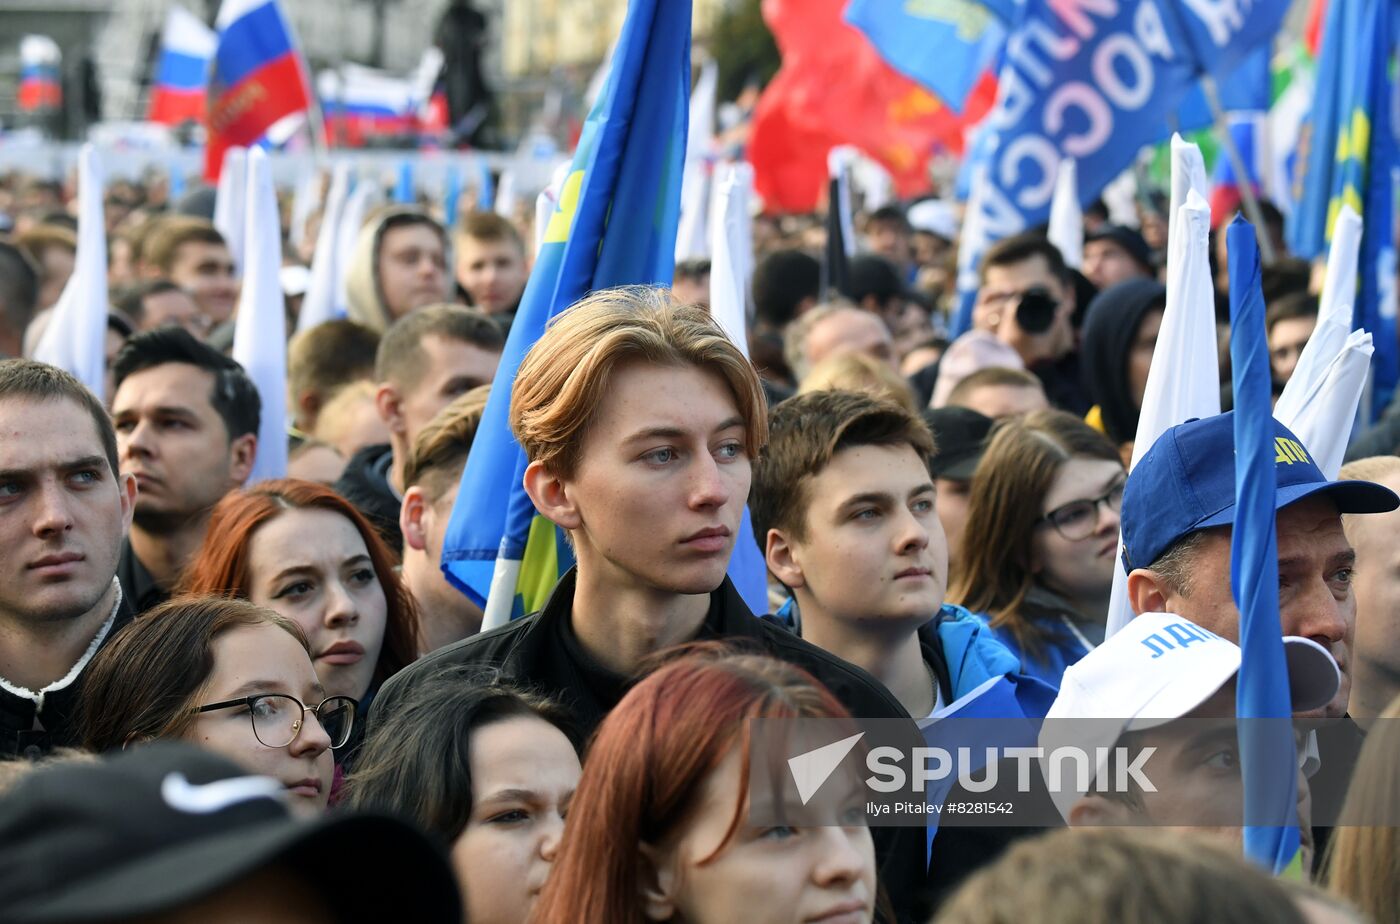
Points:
277	717
1078	519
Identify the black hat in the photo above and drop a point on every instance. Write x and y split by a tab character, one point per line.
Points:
163	825
960	435
1129	239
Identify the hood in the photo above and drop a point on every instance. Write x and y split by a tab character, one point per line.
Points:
1110	326
975	658
366	300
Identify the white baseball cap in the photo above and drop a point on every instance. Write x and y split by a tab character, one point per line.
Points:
1156	669
934	216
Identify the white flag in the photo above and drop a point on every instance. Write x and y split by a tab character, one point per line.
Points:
260	330
229	205
320	305
347	233
1066	218
76	336
692	236
732	244
1324	416
1184	380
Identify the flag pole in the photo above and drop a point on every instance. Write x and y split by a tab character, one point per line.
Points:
1248	200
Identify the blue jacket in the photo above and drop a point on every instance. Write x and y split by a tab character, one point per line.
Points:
976	655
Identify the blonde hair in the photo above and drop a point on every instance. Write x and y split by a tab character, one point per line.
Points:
1363	857
564	377
862	373
335	423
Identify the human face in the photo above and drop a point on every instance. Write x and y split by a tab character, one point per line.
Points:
175	444
889	240
873	551
1315	596
1107	264
762	875
1286	341
1000	293
1079	569
524	772
850	331
173	306
62	512
57	267
1377	586
950	500
998	401
412	268
206	271
312	566
451	368
1140	354
662	480
266	659
492	272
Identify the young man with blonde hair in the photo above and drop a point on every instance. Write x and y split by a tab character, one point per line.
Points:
641	421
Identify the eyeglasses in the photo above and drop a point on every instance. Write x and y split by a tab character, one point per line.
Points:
1078	519
277	718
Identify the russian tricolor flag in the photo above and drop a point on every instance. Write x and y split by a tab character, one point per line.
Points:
258	78
186	47
359	102
39	84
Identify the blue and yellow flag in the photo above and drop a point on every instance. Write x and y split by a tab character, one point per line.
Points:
1267	751
1351	151
615	224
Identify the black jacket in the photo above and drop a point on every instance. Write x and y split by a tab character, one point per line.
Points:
1110	327
542	650
365	483
139	590
30	730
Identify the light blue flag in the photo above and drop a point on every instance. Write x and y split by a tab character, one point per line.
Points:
1267	749
486	194
966	34
403	190
451	196
498	550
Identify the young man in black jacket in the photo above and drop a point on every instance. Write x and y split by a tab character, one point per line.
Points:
641	420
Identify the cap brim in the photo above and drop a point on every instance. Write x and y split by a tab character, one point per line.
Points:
958	467
336	856
1349	496
1314	676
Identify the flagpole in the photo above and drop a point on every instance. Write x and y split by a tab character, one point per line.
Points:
1247	197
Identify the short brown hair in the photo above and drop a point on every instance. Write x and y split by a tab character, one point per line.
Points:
563	378
30	380
40	239
440	450
330	356
1022	247
399	358
990	377
859	372
805	433
1289	307
488	226
169	234
1110	875
146	681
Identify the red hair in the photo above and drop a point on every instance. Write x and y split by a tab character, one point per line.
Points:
648	762
221	568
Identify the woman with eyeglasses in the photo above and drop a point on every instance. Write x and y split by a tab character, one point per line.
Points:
1041	539
301	550
224	674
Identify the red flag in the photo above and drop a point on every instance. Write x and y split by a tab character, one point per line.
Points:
1312	29
834	88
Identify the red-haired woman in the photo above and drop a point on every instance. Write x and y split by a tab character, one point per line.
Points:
301	550
659	827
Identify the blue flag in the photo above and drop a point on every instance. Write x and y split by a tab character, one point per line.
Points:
966	34
1267	750
1092	82
615	224
1350	156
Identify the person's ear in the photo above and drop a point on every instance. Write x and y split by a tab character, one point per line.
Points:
242	452
1093	810
1147	592
412	514
782	558
389	403
658	884
552	496
309	407
126	491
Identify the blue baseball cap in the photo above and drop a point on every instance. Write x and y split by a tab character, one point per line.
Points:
1186	482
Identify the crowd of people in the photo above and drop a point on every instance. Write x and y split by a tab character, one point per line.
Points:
233	701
